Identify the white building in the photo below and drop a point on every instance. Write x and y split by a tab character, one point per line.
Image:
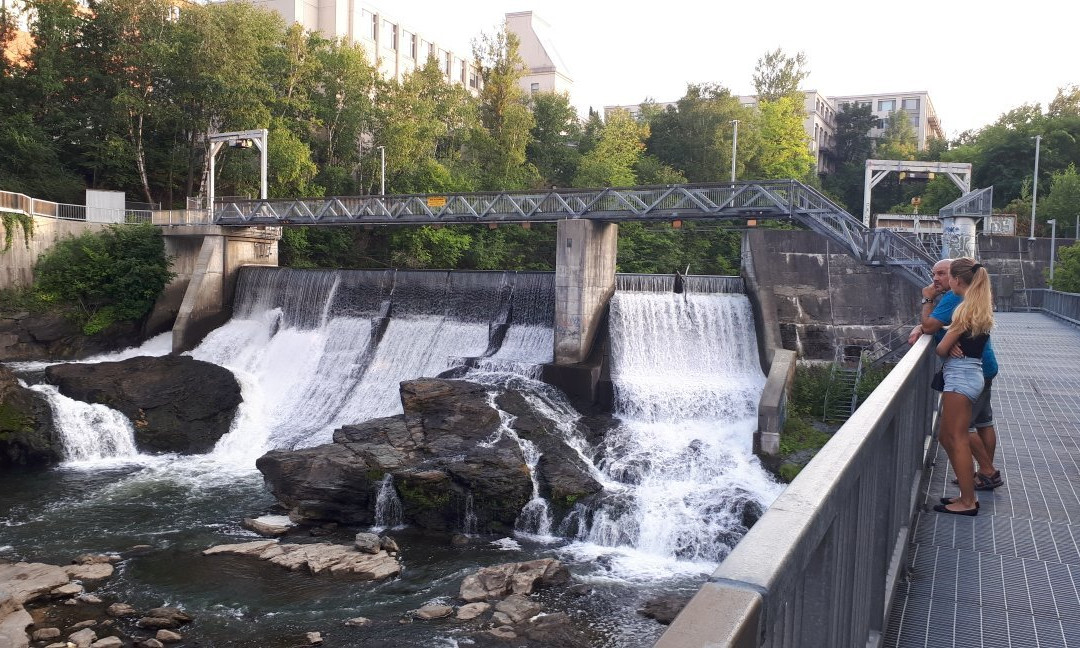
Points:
396	48
917	105
546	71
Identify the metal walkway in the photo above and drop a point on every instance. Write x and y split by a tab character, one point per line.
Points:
1009	577
775	199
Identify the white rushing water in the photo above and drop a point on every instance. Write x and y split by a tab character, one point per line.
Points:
89	433
680	469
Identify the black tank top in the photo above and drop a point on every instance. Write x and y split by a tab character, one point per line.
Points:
973	345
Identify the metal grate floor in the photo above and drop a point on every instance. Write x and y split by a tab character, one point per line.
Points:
1009	577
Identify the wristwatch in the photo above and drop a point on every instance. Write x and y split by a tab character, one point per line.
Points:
928	300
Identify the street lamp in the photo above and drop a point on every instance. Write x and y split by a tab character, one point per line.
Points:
734	146
1034	187
1053	239
382	170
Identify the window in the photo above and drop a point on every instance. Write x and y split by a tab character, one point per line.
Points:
863	104
879	123
886	105
449	62
372	22
390	32
431	50
474	81
410	44
534	88
910	104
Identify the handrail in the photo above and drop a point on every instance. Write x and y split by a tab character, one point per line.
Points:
23	204
1063	305
821	565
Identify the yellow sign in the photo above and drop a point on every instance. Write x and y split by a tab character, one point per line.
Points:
436	201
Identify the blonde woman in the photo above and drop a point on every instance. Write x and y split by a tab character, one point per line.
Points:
962	347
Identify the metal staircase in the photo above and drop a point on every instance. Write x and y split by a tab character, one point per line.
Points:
842	397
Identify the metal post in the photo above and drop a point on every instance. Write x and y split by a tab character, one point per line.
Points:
1053	239
734	146
382	170
1035	187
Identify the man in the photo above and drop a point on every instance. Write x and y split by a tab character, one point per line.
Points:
935	318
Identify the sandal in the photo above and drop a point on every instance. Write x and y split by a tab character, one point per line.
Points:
972	512
984	483
950	500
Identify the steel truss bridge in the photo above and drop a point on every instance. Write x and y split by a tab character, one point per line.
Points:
781	199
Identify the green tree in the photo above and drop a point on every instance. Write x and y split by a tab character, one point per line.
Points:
899	140
783	148
1063	201
553	147
779	75
343	111
694	137
109	276
612	161
499	146
1067	269
852	147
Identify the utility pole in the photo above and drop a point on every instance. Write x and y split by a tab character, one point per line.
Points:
1035	187
734	146
382	170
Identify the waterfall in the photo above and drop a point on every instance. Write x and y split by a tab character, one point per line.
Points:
89	433
530	338
470	523
388	513
687	383
535	518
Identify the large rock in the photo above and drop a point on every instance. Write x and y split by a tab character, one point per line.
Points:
176	403
439	453
522	578
54	336
316	558
27	435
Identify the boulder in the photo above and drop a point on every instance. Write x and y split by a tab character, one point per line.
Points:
151	643
176	403
470	611
314	638
66	591
44	634
439	454
664	608
27	435
168	636
368	543
270	526
358	622
29	581
553	630
120	610
82	638
108	642
53	335
316	558
512	578
89	573
518	607
429	612
564	476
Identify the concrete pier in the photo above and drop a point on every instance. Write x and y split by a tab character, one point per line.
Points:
584	283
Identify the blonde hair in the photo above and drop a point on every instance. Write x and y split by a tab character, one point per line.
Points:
976	313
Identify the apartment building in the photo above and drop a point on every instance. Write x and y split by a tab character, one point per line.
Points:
819	124
545	69
917	106
395	47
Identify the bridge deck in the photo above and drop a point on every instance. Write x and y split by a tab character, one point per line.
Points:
1011	575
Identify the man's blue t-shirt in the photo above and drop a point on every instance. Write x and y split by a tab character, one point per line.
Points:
944	312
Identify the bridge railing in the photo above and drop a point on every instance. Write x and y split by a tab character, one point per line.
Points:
821	565
21	203
1063	305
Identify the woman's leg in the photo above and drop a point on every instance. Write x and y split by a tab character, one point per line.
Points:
954	437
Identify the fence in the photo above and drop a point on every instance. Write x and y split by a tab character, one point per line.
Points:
22	203
820	566
1062	305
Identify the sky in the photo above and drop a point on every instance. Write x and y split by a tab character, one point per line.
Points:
976	59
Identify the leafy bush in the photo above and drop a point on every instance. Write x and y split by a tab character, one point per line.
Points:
109	276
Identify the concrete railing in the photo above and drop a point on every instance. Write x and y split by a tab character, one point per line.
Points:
1063	305
821	565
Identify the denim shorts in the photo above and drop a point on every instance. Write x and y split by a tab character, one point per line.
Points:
982	412
964	376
